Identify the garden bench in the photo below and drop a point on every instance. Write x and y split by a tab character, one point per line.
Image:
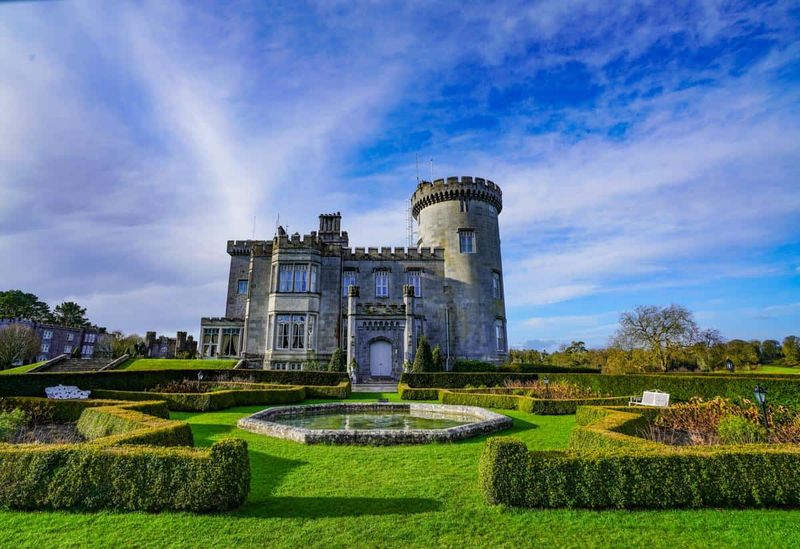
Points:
650	398
64	392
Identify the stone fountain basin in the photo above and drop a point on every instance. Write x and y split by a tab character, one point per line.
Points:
481	422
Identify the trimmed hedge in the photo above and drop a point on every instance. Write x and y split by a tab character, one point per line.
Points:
526	404
407	393
679	386
127	380
119	468
606	467
341	391
130	478
455	380
476	366
71	410
216	400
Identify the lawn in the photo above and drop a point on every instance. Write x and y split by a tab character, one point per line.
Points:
403	496
176	364
771	370
21	369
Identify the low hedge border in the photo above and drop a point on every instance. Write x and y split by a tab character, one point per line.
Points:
527	404
125	380
409	393
342	390
119	468
681	387
606	467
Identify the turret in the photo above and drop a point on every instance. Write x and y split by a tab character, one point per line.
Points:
461	216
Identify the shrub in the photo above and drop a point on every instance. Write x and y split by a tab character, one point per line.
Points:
340	391
505	401
423	360
740	430
607	468
407	393
450	380
438	359
463	365
11	422
116	424
555	390
337	363
481	366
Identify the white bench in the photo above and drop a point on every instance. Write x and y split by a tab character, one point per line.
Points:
651	398
66	392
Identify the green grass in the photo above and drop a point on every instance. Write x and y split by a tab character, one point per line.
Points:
176	364
771	370
21	369
402	496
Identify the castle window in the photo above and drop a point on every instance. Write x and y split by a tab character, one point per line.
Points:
67	349
210	341
90	338
381	283
348	279
313	276
466	241
298	332
300	278
414	278
282	335
496	290
230	342
48	334
45	347
87	350
241	289
464	205
500	335
285	278
70	337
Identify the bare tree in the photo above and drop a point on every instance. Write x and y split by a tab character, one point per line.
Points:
18	343
662	331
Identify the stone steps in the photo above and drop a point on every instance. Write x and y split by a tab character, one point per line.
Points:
384	387
79	365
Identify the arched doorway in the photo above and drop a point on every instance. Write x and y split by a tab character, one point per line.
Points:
380	359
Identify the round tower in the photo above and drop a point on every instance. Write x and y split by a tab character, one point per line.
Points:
461	216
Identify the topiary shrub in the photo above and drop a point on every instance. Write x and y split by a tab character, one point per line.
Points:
11	422
438	359
337	362
423	360
740	430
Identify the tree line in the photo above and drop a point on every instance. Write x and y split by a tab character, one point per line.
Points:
19	304
658	339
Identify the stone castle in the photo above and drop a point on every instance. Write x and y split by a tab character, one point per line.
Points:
294	300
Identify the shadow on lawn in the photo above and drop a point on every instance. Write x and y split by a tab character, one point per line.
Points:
331	507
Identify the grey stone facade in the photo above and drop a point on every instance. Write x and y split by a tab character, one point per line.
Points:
169	347
293	300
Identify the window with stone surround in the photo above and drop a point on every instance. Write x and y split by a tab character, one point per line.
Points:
497	291
349	278
70	337
298	332
500	335
466	241
210	341
414	278
87	350
298	278
381	283
241	288
282	326
45	347
230	342
67	349
47	334
293	332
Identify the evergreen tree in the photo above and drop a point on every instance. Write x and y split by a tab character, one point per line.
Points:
337	363
438	359
18	304
423	361
70	314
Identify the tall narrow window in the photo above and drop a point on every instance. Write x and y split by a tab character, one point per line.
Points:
496	291
230	342
45	347
70	337
381	283
300	278
241	289
464	205
210	341
414	278
466	240
313	276
67	349
282	324
298	332
500	335
48	334
285	278
348	279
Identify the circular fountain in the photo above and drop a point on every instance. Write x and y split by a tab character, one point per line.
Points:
374	423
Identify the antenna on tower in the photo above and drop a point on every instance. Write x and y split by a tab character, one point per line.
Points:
431	170
417	168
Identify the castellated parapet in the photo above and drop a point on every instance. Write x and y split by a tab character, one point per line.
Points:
455	188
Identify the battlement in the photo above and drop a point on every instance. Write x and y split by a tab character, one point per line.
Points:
456	188
244	247
393	254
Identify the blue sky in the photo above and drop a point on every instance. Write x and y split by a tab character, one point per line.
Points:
648	152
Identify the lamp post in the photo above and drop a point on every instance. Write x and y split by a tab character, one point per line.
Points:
729	365
761	397
546	382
